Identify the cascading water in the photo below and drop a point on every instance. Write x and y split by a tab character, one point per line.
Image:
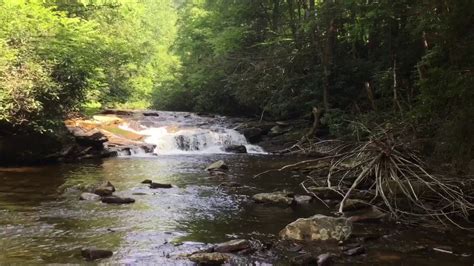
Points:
183	133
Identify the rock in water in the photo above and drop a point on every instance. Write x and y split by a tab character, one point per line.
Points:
93	138
305	259
160	185
214	258
318	227
232	246
95	254
325	259
253	134
147	181
105	189
281	198
117	200
354	251
303	199
150	113
89	196
235	149
217	166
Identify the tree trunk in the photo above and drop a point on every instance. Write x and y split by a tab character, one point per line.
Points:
291	10
396	102
327	61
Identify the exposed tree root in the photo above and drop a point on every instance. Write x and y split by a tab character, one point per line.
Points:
401	183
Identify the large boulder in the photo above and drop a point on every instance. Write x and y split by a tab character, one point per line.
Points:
303	199
278	198
318	227
117	200
95	254
91	138
160	185
89	196
253	134
214	258
235	148
232	246
104	189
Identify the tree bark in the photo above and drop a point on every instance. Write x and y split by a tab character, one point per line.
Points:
327	61
396	102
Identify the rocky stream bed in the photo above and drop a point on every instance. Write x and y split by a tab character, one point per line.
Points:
179	189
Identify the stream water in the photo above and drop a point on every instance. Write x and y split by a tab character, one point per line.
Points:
42	220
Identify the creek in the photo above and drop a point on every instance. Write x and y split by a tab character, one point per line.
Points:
43	221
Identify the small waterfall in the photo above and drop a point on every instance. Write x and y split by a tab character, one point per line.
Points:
191	135
195	140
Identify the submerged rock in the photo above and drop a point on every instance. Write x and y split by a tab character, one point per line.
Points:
303	199
105	189
89	196
280	198
253	134
235	148
95	254
117	200
160	185
217	166
318	227
232	246
214	258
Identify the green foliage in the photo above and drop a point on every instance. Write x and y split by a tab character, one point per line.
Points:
45	64
374	61
364	60
56	56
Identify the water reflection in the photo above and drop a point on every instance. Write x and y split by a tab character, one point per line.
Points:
42	220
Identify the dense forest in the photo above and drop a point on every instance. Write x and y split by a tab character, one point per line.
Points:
383	63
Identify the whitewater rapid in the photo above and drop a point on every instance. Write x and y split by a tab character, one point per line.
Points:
191	134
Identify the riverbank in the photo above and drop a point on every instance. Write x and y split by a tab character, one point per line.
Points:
112	133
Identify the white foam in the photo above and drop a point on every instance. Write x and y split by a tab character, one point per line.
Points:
193	140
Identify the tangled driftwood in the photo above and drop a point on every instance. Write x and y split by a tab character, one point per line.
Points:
398	177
